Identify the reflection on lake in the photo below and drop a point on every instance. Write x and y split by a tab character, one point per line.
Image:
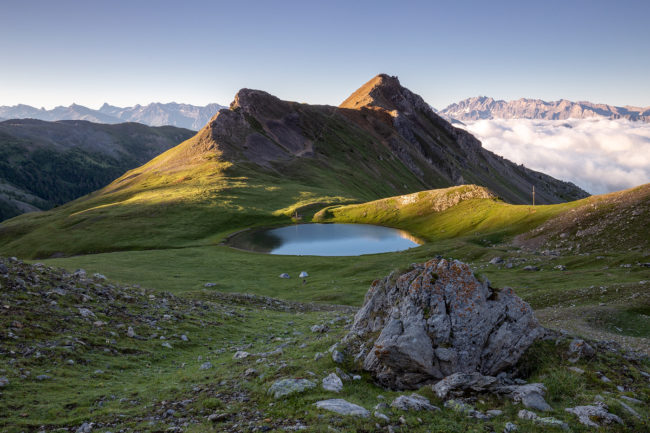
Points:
325	240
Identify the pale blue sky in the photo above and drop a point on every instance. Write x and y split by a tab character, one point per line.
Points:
128	52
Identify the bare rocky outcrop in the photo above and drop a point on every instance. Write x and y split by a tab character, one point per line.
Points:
435	320
483	107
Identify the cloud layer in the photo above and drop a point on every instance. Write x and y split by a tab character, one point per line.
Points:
599	155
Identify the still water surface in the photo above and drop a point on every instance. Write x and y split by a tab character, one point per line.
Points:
326	240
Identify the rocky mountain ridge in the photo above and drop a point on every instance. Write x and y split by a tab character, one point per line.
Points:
396	120
188	116
483	107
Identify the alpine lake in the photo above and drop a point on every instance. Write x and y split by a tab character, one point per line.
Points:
324	240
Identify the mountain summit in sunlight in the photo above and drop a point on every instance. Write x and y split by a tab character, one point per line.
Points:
263	159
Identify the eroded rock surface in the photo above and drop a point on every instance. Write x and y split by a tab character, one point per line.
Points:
594	415
435	320
343	407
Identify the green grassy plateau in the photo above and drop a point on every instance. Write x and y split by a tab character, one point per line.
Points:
135	383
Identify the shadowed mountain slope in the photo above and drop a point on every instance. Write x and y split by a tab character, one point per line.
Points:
263	159
44	164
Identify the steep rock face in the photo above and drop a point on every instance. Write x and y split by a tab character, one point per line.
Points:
435	320
432	148
483	107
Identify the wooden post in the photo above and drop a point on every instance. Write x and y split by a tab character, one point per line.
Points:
533	195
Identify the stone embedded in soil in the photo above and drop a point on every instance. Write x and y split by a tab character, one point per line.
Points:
579	349
414	402
459	383
85	312
338	357
284	387
320	328
343	407
86	427
332	383
435	320
240	354
629	410
526	414
588	415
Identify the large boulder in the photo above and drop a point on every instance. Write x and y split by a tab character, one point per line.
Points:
435	320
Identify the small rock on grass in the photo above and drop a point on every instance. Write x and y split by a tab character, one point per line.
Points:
631	400
332	383
86	427
206	366
320	328
338	357
579	348
526	414
629	410
343	407
285	387
381	416
217	417
588	415
85	312
240	354
547	421
413	402
3	382
510	428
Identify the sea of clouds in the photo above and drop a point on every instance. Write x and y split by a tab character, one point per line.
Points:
598	155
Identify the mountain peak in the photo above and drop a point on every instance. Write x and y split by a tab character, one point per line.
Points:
247	98
385	92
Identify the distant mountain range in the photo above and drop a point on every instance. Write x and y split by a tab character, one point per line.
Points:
45	164
483	107
155	114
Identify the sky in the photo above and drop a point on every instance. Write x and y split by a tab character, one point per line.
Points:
129	52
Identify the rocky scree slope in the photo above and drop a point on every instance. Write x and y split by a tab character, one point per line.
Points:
45	164
610	222
483	107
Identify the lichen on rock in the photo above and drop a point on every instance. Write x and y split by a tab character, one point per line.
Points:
435	320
